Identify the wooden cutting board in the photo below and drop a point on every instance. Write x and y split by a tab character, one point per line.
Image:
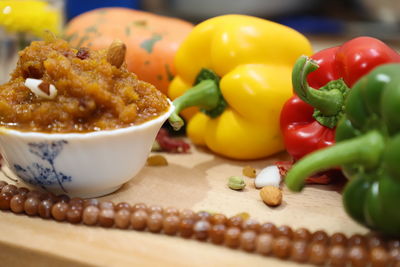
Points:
196	181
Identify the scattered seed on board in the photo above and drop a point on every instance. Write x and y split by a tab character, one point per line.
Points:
268	176
236	183
271	195
249	171
157	160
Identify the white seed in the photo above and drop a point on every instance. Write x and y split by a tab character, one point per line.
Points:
268	176
33	85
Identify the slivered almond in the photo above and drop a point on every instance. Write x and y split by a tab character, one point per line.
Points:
116	53
45	87
41	88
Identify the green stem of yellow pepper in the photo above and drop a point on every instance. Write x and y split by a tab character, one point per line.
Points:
205	94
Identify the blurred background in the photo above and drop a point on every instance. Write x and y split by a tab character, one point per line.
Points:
324	22
378	18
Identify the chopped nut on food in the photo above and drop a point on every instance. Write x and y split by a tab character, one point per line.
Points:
249	172
236	183
157	160
83	53
116	53
271	195
268	176
41	88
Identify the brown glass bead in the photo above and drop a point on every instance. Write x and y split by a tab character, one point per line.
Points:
52	197
106	217
394	243
59	211
74	213
36	194
268	228
90	215
187	214
217	233
281	246
251	224
171	224
264	243
358	256
155	222
375	241
123	205
299	251
320	237
232	237
186	227
235	221
218	218
139	206
106	205
284	230
248	240
337	255
63	198
23	190
44	208
31	206
301	234
44	195
338	239
122	217
139	219
76	201
171	211
2	184
10	188
203	215
394	255
201	229
357	240
317	253
17	203
91	202
154	208
378	257
5	198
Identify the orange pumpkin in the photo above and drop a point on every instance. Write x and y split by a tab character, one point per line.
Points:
152	40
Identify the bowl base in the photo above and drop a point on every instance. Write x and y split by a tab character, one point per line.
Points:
97	194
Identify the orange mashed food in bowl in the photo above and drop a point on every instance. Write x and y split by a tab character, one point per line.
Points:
93	92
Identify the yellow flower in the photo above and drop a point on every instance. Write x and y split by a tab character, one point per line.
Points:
30	16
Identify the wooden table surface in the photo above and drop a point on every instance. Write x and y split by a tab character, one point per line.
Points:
196	181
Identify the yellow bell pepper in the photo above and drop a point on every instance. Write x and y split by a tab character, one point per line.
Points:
241	67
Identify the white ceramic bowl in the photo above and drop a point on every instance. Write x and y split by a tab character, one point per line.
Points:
80	164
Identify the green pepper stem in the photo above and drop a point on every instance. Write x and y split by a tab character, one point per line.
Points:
328	102
205	95
365	149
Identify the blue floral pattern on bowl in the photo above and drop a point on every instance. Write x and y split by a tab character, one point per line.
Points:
44	173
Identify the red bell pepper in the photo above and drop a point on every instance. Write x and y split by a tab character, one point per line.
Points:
309	118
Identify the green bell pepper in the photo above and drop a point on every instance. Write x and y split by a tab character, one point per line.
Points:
367	150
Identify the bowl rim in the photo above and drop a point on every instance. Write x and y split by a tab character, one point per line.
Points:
27	134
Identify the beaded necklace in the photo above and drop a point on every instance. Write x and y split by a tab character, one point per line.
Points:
299	245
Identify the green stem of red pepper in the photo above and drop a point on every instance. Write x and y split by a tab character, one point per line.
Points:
328	101
366	149
205	94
